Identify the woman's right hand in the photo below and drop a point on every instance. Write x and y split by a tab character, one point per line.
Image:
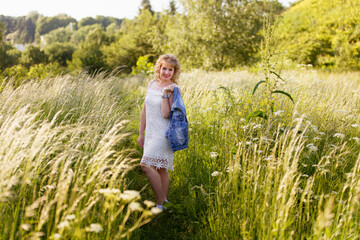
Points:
141	140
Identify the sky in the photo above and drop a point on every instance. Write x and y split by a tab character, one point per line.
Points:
83	8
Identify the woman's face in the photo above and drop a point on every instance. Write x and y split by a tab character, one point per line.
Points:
166	71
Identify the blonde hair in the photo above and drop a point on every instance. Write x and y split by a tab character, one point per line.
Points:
169	59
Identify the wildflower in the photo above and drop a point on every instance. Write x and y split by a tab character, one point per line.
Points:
356	139
129	195
242	119
149	203
156	210
248	143
213	154
278	113
339	135
257	126
63	224
94	227
355	125
312	147
109	191
321	133
214	174
26	227
56	236
70	217
135	206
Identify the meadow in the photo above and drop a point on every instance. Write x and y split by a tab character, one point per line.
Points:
70	160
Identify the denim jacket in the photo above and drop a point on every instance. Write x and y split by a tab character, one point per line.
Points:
178	130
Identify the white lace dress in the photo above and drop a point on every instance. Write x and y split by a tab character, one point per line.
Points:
157	152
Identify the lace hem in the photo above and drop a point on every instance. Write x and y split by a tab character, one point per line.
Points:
156	162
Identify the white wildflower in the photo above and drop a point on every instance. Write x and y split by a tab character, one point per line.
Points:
278	113
214	174
149	203
248	143
26	227
135	206
242	119
109	191
312	147
156	210
355	125
64	224
257	126
351	116
70	217
356	139
129	195
94	227
213	154
339	135
321	133
314	127
56	236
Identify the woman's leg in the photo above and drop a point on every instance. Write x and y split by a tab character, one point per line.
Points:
164	176
155	181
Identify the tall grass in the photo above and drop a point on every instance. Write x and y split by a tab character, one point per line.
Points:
68	154
64	154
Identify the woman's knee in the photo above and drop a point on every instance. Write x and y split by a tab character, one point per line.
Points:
145	168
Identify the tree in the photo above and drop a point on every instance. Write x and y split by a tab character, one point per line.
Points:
60	52
172	7
9	56
89	56
87	21
33	55
134	40
145	5
1	32
323	33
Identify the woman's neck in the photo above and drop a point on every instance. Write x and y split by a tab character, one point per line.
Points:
164	82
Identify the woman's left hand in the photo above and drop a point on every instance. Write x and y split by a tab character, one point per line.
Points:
168	89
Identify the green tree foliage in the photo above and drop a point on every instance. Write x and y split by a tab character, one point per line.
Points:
1	32
217	33
9	56
62	35
172	7
20	29
90	56
87	21
146	6
33	55
80	35
322	33
47	24
133	41
60	52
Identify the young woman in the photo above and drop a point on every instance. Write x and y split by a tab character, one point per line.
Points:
157	157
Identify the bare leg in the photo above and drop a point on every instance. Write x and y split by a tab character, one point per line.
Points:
164	176
155	180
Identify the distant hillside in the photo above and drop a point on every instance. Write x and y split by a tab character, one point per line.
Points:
322	33
27	29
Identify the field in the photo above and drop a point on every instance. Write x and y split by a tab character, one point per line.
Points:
69	159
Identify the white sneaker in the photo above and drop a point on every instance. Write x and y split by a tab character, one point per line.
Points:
161	207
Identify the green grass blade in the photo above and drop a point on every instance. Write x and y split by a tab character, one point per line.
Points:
257	85
258	113
277	75
285	93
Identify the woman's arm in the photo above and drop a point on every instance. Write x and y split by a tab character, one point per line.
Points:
141	138
166	103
